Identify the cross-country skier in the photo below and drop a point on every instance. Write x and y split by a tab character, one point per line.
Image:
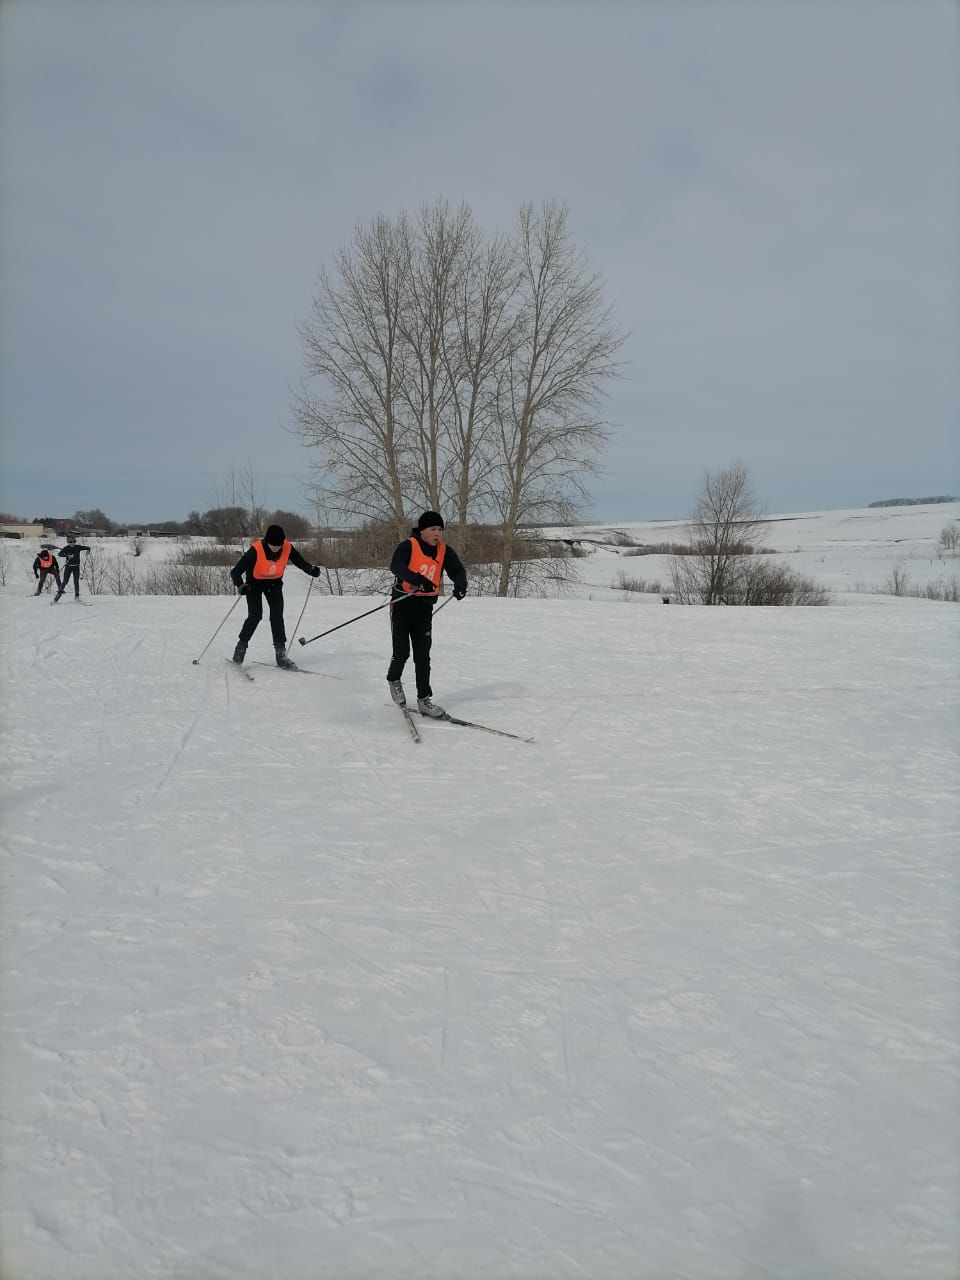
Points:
46	564
71	555
418	565
262	566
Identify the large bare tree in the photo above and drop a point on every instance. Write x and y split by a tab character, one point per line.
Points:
352	341
438	256
485	326
457	372
552	381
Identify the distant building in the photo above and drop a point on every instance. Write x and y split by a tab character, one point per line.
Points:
21	530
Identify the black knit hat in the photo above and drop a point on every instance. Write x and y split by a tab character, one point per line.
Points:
274	536
430	520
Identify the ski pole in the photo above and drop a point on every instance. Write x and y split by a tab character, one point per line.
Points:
302	611
410	596
214	636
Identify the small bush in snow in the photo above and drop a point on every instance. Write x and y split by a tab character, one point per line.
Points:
898	581
626	583
950	536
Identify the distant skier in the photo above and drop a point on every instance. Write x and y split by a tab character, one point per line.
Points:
71	555
45	565
418	565
262	566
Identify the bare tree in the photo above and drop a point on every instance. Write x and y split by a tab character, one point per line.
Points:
251	498
353	342
726	527
552	380
438	256
484	328
457	373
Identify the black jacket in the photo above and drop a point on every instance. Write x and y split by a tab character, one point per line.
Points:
244	566
71	553
400	566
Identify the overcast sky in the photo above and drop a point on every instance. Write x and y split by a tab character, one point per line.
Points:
769	189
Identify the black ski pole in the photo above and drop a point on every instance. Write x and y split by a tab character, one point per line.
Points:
385	604
214	636
302	611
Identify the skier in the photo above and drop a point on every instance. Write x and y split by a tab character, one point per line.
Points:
71	555
418	565
263	564
45	563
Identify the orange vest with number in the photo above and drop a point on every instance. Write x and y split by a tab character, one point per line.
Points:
46	560
423	564
266	569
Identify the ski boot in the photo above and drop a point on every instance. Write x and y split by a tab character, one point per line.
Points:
282	660
396	693
427	707
240	652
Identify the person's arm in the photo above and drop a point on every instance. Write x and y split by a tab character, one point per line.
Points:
297	559
243	566
453	568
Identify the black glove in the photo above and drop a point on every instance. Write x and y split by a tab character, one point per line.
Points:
243	588
315	571
420	583
459	592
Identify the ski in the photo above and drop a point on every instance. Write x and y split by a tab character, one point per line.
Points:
239	667
472	724
414	731
304	671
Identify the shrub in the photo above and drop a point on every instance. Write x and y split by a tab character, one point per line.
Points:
626	583
746	581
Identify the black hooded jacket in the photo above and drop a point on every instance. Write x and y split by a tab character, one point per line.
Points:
71	554
400	566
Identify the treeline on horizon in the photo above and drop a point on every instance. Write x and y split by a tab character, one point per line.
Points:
912	502
217	522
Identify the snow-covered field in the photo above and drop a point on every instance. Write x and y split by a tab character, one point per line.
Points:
848	552
672	991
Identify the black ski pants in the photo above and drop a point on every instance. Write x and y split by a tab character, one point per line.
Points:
47	573
411	626
273	591
75	570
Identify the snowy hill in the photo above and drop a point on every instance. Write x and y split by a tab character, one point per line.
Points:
672	990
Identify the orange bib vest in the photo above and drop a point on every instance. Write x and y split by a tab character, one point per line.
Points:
46	561
427	566
265	569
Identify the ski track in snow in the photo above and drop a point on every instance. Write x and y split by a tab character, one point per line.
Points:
672	991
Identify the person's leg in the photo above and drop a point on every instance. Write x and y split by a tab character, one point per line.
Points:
400	636
40	581
421	636
254	614
274	594
66	580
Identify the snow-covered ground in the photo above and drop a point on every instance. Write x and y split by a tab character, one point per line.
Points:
848	552
671	991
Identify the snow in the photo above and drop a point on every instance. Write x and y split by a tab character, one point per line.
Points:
672	991
850	552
